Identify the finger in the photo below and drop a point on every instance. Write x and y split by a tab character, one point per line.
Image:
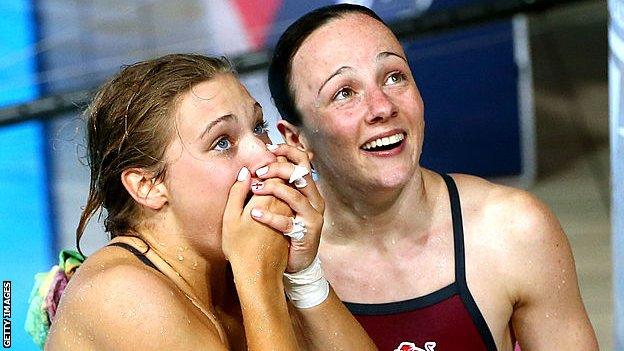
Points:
268	202
284	172
293	154
238	193
297	201
278	222
281	159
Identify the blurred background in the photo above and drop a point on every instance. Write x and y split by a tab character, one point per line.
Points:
515	91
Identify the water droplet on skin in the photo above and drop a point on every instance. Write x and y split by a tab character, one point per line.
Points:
393	241
547	315
180	257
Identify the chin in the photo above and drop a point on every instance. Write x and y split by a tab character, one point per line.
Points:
392	179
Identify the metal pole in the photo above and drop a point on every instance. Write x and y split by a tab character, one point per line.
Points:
616	112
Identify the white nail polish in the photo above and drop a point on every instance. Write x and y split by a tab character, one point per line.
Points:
256	213
262	171
271	147
243	174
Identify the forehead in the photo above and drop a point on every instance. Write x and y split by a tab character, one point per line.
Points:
344	41
209	100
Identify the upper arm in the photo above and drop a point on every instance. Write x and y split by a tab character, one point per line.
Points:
128	308
548	311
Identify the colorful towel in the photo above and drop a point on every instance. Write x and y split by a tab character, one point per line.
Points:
46	294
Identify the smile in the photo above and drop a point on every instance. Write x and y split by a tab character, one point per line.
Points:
385	143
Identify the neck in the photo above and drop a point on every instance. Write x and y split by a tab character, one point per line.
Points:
205	275
380	215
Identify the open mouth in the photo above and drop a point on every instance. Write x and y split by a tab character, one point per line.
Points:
385	143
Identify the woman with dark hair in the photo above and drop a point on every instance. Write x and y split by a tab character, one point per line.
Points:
472	276
202	251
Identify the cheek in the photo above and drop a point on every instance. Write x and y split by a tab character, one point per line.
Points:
202	183
340	126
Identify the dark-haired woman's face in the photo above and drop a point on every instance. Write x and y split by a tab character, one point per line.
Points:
220	129
362	112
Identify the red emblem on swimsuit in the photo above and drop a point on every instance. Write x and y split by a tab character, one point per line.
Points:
410	346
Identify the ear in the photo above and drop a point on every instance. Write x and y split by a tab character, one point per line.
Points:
144	188
292	136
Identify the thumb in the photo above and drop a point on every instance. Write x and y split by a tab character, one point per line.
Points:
238	193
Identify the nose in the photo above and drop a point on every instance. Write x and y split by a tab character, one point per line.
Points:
255	153
380	106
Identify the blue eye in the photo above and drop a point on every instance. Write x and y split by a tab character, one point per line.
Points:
261	128
223	144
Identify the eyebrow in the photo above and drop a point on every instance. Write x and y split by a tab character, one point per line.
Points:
338	71
224	118
257	107
385	54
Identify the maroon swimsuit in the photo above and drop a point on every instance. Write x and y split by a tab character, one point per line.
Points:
445	320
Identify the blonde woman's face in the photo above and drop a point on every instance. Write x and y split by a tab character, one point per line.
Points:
220	130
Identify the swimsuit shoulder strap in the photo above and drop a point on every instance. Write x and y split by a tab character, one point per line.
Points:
460	265
140	249
458	231
136	253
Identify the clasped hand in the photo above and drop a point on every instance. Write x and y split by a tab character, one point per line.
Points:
252	234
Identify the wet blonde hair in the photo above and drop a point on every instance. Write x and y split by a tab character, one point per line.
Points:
129	125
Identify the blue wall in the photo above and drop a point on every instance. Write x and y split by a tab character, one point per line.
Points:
26	245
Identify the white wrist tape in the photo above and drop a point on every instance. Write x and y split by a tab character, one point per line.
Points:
308	287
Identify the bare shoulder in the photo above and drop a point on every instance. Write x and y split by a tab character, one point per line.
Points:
517	215
521	267
523	235
116	303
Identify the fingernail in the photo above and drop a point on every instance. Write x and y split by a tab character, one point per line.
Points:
243	174
262	171
272	147
257	186
256	213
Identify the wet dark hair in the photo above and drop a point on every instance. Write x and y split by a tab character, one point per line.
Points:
129	125
288	45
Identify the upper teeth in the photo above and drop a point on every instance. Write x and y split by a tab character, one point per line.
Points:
384	141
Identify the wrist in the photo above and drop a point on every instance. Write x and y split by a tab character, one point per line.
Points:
265	275
308	287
